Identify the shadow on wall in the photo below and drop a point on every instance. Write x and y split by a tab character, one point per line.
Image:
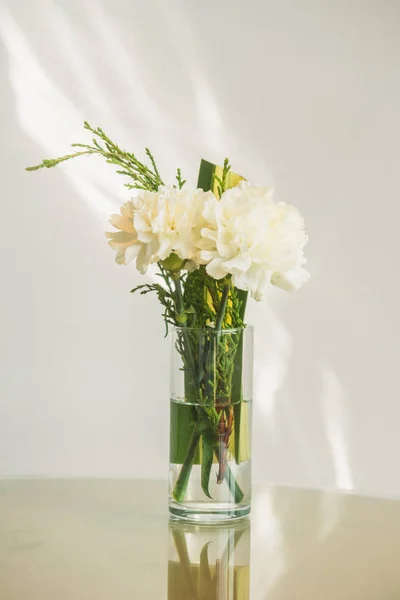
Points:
70	62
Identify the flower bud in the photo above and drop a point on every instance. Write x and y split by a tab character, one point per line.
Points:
173	263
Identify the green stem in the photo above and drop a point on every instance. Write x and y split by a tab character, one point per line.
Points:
237	388
179	296
179	306
184	475
233	485
222	306
181	484
214	346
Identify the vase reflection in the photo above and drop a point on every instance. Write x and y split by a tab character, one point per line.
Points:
209	563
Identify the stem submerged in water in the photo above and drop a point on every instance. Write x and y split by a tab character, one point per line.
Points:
184	475
186	469
182	482
230	479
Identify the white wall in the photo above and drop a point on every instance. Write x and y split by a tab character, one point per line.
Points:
308	91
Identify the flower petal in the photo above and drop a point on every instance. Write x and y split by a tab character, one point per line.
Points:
238	264
122	237
216	269
127	209
291	280
122	223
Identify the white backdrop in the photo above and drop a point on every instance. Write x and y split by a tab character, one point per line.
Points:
307	91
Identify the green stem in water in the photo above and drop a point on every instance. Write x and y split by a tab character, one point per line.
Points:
237	388
181	484
233	485
184	475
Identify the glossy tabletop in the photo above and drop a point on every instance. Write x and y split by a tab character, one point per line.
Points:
111	540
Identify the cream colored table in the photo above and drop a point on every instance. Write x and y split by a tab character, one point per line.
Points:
110	540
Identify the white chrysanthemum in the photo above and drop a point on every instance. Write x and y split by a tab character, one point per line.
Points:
155	224
254	239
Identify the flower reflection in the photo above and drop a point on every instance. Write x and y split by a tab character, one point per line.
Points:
209	563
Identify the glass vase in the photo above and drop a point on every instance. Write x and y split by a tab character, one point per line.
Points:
210	424
210	563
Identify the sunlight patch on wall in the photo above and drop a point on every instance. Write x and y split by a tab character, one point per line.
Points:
333	404
47	116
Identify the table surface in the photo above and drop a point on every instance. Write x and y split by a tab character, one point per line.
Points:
110	539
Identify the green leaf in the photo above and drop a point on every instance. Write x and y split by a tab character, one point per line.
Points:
206	175
184	475
207	456
210	173
182	424
240	431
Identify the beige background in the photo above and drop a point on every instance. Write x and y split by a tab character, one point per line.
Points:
308	91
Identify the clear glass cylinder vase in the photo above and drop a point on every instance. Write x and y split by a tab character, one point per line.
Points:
210	424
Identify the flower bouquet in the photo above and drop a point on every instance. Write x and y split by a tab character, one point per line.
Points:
212	246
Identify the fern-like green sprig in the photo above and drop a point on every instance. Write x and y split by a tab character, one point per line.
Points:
144	177
222	181
181	182
165	296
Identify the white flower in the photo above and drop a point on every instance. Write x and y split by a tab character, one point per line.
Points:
155	224
254	239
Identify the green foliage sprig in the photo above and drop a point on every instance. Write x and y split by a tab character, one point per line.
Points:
181	182
144	177
222	181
